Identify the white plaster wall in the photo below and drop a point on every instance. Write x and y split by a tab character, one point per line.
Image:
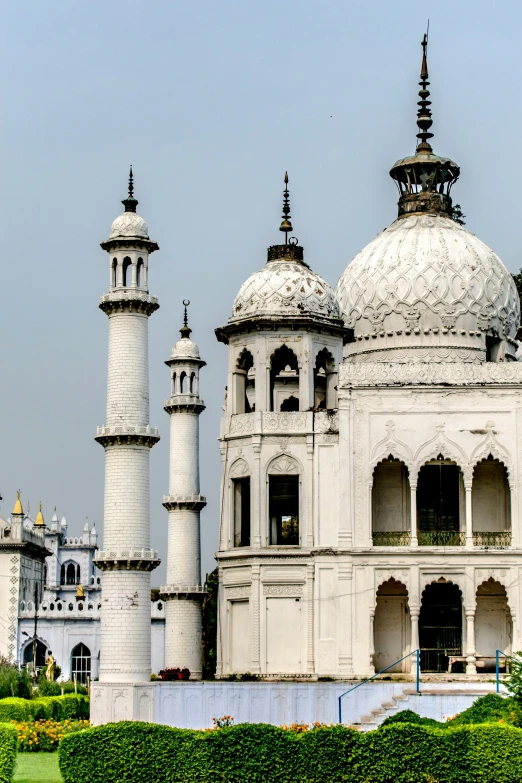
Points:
125	627
128	369
126	502
184	558
491	498
184	453
183	635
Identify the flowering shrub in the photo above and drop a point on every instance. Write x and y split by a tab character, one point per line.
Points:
45	734
175	673
222	723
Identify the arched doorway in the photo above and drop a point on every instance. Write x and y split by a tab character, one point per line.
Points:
493	623
391	503
440	496
440	626
41	653
392	627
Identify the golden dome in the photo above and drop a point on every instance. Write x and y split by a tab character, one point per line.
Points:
39	521
18	505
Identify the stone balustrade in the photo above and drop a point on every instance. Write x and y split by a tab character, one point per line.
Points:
269	423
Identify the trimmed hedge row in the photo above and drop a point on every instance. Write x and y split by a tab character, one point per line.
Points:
487	709
44	708
257	753
8	747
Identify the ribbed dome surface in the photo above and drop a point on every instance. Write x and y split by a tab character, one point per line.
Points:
426	283
129	224
285	288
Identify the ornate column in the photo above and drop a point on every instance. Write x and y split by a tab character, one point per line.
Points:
310	575
471	667
414	541
371	646
257	504
414	618
469	513
255	607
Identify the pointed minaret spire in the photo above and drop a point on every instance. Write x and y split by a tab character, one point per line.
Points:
130	203
424	119
286	225
185	329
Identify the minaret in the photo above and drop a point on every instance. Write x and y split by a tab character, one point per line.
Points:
183	593
126	559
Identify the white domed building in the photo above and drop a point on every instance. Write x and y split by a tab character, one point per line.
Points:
370	451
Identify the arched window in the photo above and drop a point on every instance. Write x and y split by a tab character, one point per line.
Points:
244	383
174	390
283	501
45	573
325	381
284	377
290	404
182	383
70	573
391	519
491	503
139	272
440	492
192	388
81	663
114	272
126	272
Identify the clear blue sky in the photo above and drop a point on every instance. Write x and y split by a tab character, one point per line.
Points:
211	102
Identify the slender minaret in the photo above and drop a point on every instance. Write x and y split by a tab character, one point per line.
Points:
183	593
126	559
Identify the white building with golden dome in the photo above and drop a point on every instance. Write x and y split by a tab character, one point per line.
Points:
371	462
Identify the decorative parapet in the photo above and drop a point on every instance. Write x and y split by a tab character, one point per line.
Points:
76	610
500	540
423	374
128	299
190	502
186	592
186	403
143	435
288	423
127	559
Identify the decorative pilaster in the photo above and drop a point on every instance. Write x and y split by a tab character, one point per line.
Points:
310	575
471	667
469	515
414	541
256	650
414	619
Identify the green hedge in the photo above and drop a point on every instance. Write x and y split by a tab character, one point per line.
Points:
8	747
44	708
487	709
257	753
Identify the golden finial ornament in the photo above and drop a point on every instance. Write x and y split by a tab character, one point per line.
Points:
18	504
39	521
286	226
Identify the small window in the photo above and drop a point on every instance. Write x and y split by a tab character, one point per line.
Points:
126	272
284	509
81	663
182	383
139	272
241	504
114	272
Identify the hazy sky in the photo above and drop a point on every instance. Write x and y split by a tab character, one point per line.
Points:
211	102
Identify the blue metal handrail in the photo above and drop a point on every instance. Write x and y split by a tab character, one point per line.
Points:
413	652
498	653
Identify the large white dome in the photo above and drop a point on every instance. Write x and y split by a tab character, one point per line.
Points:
285	288
428	289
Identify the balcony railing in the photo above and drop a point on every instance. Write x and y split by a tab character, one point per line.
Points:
502	539
442	538
392	538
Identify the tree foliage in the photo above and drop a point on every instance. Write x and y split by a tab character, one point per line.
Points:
457	215
209	611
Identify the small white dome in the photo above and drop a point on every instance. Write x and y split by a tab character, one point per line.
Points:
185	349
130	224
285	287
428	285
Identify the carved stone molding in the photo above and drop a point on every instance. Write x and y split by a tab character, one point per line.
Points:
293	591
326	422
184	403
242	591
128	300
285	422
425	374
130	435
239	468
190	502
240	424
284	464
127	560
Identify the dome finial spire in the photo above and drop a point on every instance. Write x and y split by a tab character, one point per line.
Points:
286	225
185	330
424	119
130	203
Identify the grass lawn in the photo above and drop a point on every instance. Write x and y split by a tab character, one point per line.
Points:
37	768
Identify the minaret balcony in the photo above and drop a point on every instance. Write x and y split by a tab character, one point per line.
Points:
128	299
270	422
185	403
181	591
127	559
144	435
190	502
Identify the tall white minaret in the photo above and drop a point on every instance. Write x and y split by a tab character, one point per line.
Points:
183	593
126	559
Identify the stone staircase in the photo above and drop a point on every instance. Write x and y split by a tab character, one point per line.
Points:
438	703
